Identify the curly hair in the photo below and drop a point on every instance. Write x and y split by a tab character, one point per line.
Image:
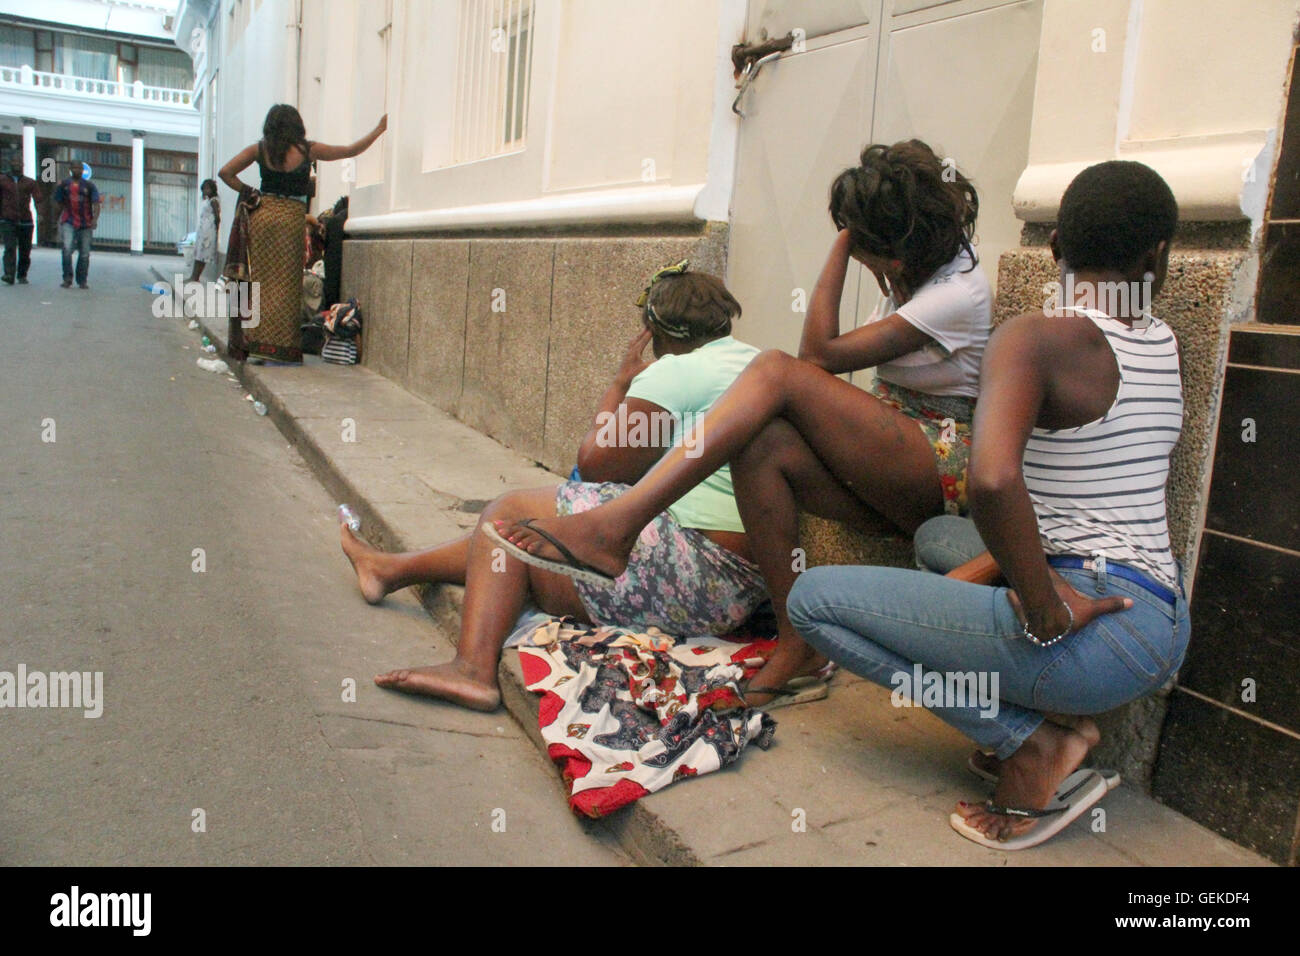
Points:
902	202
1112	213
283	128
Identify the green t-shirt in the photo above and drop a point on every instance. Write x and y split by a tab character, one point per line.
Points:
686	386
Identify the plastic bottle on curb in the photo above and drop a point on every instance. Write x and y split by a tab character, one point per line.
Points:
348	518
259	408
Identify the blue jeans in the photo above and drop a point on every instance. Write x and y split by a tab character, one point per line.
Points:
79	239
880	622
946	542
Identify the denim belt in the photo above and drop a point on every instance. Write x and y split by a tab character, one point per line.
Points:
1115	568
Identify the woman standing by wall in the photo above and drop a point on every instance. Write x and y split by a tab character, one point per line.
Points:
266	239
205	245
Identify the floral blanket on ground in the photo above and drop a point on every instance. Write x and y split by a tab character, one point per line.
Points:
626	713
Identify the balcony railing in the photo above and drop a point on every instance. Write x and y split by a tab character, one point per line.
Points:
25	76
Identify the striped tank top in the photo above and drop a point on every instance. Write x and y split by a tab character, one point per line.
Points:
1101	487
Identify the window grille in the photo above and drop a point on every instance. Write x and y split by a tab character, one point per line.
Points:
494	57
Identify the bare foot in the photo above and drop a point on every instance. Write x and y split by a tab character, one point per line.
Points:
986	762
783	666
1085	727
446	682
365	562
588	534
1028	779
814	667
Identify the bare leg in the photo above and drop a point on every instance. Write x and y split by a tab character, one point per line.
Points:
776	476
1029	778
1085	727
380	573
198	270
878	453
496	586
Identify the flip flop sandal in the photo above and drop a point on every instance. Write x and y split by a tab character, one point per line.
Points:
1077	793
1111	776
572	569
799	690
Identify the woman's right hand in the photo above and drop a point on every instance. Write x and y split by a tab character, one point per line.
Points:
382	125
633	363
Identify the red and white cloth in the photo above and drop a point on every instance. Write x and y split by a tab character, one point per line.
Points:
626	713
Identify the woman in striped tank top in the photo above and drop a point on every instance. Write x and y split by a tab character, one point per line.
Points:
1079	410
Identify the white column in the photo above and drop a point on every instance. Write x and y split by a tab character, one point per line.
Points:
137	192
29	147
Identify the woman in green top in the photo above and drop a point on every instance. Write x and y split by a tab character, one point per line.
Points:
688	573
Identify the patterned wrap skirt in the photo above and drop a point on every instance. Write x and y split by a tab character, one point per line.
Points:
946	422
677	579
275	250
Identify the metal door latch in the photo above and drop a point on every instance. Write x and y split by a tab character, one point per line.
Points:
749	58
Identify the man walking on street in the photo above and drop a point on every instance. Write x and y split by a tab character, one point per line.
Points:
79	203
16	223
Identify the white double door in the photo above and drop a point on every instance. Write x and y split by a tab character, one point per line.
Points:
958	74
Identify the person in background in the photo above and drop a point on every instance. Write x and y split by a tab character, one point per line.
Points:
267	237
8	234
205	245
79	203
16	223
335	221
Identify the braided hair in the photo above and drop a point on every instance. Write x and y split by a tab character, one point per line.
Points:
690	307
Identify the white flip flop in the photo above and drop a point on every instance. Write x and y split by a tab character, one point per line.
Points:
1076	795
798	690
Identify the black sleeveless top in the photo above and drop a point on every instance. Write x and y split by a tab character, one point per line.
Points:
296	182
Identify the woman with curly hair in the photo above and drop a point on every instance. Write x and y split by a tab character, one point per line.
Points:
798	437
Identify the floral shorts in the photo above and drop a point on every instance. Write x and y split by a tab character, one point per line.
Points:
676	579
945	419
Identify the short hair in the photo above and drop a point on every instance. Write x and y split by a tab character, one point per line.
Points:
1112	213
691	306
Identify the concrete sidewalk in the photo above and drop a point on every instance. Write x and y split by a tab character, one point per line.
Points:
874	783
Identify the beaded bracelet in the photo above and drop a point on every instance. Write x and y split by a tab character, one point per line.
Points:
1041	643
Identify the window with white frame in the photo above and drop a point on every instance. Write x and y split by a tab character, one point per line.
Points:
494	57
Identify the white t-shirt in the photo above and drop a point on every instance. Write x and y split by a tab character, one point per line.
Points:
954	308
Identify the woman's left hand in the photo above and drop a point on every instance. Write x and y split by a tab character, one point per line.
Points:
382	125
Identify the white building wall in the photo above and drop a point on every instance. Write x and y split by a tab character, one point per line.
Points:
1193	88
256	42
647	71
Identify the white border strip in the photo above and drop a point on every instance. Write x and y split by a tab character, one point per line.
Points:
656	204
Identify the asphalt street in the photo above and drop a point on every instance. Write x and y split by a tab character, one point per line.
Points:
226	735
